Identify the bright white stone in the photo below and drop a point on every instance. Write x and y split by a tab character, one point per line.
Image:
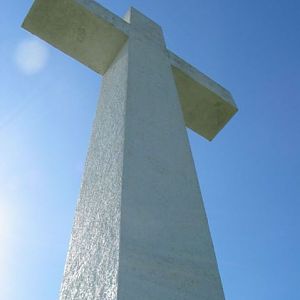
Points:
140	231
94	36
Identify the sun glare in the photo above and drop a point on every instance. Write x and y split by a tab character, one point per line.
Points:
31	56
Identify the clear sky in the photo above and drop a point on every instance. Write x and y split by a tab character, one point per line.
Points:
249	175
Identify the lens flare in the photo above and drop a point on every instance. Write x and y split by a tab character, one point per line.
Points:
31	56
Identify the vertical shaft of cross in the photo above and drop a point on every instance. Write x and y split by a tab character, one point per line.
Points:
92	265
140	230
165	246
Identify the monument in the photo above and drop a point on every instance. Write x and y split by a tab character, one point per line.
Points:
140	229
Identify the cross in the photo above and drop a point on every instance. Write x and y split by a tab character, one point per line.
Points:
140	229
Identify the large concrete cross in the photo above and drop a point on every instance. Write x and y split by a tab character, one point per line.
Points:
140	230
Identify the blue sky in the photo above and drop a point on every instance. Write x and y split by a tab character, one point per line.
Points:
249	175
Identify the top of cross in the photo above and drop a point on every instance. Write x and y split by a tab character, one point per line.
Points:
93	35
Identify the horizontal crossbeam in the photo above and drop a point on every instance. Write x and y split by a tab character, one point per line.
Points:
93	35
82	29
206	105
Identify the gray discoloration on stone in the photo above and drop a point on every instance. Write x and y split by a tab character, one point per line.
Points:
165	248
140	230
206	105
93	37
101	12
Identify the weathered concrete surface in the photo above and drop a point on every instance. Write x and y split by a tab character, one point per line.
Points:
206	106
92	264
93	35
140	230
165	248
82	29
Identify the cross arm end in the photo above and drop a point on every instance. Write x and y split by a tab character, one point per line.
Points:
82	29
207	106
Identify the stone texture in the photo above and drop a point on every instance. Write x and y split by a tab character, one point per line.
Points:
93	35
82	29
93	260
140	230
165	248
207	107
